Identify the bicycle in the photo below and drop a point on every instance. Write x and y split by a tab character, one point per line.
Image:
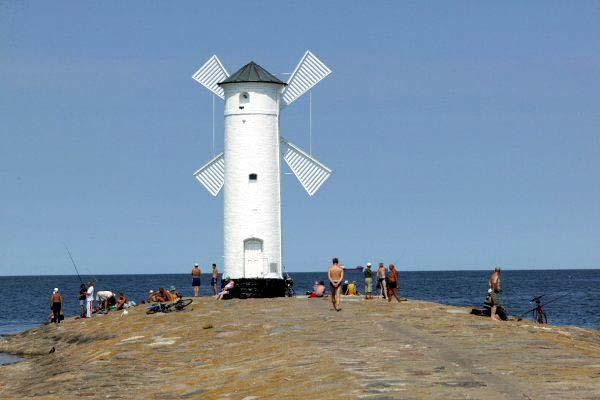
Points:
165	308
289	286
537	314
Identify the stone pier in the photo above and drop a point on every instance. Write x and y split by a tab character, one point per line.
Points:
302	349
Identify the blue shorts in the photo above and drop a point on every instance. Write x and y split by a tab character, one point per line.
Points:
196	282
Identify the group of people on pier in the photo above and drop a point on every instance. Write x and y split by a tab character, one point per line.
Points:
387	282
385	279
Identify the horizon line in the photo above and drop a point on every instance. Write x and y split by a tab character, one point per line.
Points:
315	272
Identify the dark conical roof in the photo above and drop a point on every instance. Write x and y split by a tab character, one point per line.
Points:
252	72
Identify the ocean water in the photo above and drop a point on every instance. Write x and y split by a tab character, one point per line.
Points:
574	293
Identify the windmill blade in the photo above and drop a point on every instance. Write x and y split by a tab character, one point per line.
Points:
311	173
212	175
211	73
309	71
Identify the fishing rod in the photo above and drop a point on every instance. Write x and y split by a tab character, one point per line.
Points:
73	261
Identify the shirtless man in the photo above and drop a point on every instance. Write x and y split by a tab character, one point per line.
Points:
164	296
335	275
215	278
494	290
196	272
381	273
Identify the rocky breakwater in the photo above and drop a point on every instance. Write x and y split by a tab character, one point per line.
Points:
301	349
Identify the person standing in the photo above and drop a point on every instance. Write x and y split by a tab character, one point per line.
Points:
196	272
335	275
89	300
393	286
368	282
81	298
56	305
495	290
381	272
215	278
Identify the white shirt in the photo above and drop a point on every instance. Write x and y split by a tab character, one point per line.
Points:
104	294
89	294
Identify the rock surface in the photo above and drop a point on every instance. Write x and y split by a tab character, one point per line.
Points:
302	349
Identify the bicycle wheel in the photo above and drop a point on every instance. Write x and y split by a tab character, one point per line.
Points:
167	307
183	303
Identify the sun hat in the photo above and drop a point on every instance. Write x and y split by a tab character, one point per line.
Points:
172	288
368	264
195	265
55	289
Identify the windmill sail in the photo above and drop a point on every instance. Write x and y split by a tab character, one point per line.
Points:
212	175
211	73
311	173
309	71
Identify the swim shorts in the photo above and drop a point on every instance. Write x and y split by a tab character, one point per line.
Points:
213	281
195	281
495	298
368	285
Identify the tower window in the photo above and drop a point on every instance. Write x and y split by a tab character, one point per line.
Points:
252	177
244	97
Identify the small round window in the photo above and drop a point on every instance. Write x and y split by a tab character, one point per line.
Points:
244	97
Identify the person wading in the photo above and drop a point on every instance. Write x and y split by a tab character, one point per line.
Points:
381	280
215	278
335	275
56	305
495	290
368	282
393	286
196	272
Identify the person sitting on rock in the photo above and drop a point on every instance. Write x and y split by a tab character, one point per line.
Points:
164	296
160	296
121	301
344	287
174	293
351	289
227	289
318	290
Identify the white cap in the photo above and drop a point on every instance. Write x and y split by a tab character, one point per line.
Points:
55	289
368	264
195	265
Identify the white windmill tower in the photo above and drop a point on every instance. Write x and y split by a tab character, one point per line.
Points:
249	167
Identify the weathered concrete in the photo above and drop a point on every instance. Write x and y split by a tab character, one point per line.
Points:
301	349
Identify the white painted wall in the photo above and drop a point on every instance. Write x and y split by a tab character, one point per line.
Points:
252	209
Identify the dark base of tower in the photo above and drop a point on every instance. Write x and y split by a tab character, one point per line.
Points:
246	288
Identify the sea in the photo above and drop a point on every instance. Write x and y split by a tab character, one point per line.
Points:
572	296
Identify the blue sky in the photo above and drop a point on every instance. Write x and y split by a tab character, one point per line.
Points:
462	135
